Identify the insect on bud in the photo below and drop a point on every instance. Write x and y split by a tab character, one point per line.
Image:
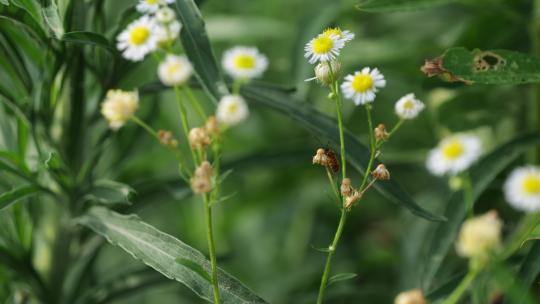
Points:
212	126
166	138
198	138
346	188
380	133
324	74
201	182
381	173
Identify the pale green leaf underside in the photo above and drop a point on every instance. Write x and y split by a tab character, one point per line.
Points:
162	252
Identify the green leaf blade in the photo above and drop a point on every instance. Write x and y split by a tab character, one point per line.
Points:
161	252
379	6
341	277
90	38
11	197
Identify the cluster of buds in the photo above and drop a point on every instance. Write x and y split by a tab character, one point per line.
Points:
381	134
350	194
201	182
326	158
381	173
212	126
166	138
198	138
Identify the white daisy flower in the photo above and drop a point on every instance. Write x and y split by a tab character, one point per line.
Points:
454	154
165	15
345	36
408	107
522	188
323	48
232	109
166	33
479	236
151	6
119	106
138	39
175	70
244	62
362	86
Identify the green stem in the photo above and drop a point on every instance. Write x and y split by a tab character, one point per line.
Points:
372	148
468	195
331	250
196	104
211	247
463	286
333	184
216	150
185	124
145	126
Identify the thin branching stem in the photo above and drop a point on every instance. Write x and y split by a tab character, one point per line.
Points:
211	247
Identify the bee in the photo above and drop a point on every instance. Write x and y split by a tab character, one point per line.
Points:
333	162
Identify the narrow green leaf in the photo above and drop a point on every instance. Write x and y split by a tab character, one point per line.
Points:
485	67
82	37
110	192
322	125
197	46
52	18
22	139
195	267
513	289
161	251
377	6
32	7
482	174
11	197
4	2
341	277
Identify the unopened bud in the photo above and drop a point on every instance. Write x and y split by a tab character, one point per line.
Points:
381	173
324	74
201	182
166	138
414	296
198	138
212	126
380	133
346	189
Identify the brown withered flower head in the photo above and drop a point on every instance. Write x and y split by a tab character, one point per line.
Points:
166	138
380	133
201	182
381	173
212	126
198	138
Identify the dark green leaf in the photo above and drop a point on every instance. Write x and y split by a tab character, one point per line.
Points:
398	5
197	46
161	251
91	38
513	289
32	7
110	192
486	67
341	277
482	174
10	197
322	125
4	2
52	18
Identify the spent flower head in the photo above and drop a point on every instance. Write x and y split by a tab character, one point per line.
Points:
232	110
361	86
138	39
201	182
175	70
244	62
119	106
408	107
380	133
479	236
198	138
522	188
454	154
381	173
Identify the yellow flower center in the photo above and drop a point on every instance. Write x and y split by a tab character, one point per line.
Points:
531	184
362	83
322	45
244	62
453	150
152	2
408	105
173	68
232	108
333	31
139	35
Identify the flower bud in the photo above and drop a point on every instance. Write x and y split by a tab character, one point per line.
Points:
479	236
380	133
201	182
414	296
166	138
212	126
381	173
198	138
323	73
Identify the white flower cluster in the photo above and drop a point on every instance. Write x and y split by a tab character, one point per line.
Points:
158	27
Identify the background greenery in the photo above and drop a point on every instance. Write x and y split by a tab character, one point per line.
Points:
282	206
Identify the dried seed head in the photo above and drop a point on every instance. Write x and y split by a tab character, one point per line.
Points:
323	73
166	138
352	198
381	173
414	296
346	189
198	138
380	133
320	158
433	67
201	182
212	126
